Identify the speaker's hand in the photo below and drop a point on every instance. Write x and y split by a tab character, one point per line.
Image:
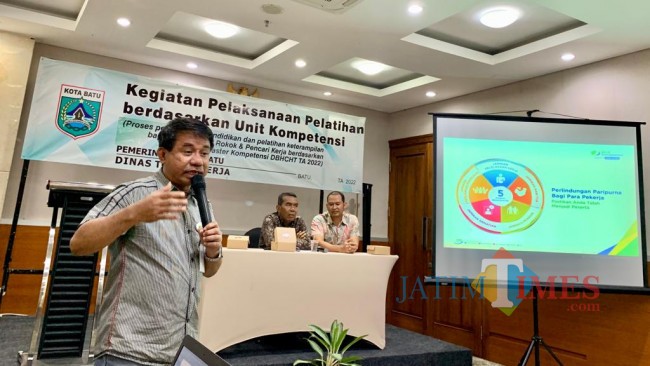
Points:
211	237
163	204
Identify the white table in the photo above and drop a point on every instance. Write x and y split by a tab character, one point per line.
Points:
259	292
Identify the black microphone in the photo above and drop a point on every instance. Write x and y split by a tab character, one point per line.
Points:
198	186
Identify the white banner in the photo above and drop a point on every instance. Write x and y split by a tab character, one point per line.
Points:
91	116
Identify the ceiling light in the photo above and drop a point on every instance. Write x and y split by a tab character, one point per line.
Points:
271	9
430	94
192	65
415	9
219	29
124	22
499	17
568	56
300	63
369	67
327	94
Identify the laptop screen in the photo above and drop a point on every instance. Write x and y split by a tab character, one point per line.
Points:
187	358
193	353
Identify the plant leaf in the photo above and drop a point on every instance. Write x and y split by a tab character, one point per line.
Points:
333	326
304	362
319	333
350	359
324	343
337	334
357	339
328	345
334	331
316	348
336	344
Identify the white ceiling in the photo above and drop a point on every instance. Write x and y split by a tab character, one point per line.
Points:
442	49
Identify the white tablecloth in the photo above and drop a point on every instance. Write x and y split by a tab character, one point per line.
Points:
259	292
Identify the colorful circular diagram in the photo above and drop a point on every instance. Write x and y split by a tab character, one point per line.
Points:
500	196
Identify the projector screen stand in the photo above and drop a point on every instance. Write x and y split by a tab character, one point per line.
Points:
536	340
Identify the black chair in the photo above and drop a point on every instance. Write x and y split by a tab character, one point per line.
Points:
254	237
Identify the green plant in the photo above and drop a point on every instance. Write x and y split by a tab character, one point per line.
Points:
328	346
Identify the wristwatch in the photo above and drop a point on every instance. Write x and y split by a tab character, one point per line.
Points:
213	259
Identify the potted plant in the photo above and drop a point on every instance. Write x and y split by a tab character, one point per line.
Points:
330	346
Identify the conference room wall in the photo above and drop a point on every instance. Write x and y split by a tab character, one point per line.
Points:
615	89
238	206
15	53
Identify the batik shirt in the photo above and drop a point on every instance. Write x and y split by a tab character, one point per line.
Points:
322	225
271	221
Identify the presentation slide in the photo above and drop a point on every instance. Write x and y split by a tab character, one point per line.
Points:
560	197
540	197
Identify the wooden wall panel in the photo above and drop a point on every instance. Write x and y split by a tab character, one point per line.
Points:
22	294
613	329
28	252
515	331
509	351
456	316
29	246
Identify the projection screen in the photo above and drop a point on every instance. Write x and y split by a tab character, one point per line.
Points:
564	196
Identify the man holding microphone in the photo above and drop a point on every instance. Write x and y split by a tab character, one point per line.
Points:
158	249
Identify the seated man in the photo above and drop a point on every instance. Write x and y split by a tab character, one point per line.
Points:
285	216
336	230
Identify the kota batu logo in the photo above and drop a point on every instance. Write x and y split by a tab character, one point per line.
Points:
80	110
505	281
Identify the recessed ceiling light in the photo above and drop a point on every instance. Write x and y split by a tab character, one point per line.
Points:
124	22
568	56
192	65
327	94
499	17
415	9
369	67
300	63
430	94
219	29
271	9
